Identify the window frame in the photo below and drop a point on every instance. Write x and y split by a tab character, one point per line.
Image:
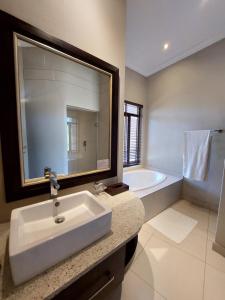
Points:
139	117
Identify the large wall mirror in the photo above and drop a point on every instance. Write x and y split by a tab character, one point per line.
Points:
65	118
64	112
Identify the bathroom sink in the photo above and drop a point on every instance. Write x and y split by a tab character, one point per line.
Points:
37	242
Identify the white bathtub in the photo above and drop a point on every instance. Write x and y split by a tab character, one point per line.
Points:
141	179
156	190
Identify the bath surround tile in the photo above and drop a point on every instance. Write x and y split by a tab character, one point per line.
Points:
158	201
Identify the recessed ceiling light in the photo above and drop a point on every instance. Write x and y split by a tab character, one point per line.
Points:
165	46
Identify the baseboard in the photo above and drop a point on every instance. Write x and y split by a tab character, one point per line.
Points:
218	248
200	203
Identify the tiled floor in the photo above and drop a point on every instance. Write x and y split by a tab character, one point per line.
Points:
163	269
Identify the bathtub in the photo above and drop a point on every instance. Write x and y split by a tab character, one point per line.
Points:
141	179
156	190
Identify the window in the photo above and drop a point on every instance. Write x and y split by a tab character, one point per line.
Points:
72	135
132	134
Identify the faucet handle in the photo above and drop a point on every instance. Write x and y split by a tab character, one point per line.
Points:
99	187
47	172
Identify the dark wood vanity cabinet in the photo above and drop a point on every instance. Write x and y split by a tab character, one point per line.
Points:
102	279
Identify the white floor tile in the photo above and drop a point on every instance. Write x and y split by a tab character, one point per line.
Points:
164	268
170	271
194	244
133	288
214	287
143	238
214	259
147	227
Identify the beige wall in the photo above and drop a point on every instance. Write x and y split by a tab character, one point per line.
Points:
188	95
136	87
219	244
97	27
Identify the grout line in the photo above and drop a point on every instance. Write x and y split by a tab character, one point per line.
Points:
173	244
169	244
203	294
213	267
143	228
212	240
147	283
135	258
180	249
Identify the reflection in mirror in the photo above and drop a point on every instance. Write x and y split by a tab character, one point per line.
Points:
64	112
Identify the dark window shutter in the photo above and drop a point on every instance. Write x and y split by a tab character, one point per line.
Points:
132	134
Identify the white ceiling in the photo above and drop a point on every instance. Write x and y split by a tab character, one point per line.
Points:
187	25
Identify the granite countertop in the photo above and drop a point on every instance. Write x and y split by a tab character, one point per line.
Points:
127	219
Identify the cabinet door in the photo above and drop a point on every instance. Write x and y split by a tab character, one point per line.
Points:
98	281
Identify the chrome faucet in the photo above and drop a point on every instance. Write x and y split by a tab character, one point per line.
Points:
54	187
99	187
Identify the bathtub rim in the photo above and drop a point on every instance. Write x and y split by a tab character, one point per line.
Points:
164	177
170	179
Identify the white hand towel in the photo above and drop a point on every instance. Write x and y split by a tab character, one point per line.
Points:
196	150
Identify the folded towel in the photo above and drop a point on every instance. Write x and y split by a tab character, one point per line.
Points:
196	150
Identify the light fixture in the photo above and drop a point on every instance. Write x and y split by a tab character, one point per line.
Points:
165	46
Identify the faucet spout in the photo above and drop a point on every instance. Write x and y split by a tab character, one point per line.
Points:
54	187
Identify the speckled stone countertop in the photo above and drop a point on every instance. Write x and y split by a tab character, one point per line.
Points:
127	219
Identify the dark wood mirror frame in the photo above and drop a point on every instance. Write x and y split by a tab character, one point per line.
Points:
14	189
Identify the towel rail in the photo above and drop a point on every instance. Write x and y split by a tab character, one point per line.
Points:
218	130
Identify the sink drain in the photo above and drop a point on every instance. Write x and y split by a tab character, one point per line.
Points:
59	220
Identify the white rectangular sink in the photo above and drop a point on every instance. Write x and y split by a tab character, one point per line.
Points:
36	242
